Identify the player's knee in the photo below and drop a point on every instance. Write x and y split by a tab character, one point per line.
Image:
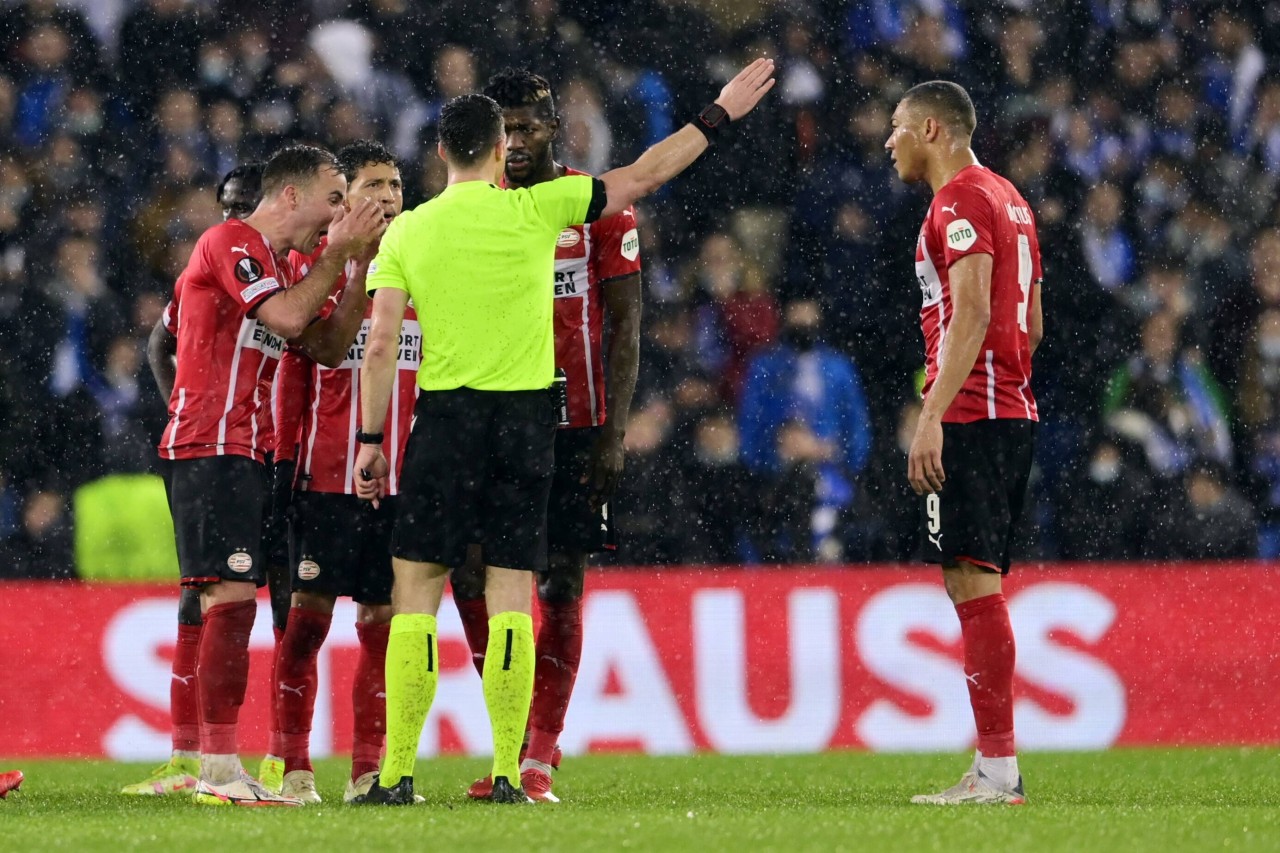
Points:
562	583
967	581
373	614
317	602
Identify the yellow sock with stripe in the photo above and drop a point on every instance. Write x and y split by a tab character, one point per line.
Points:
413	671
508	688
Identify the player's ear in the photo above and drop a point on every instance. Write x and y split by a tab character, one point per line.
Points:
931	129
290	193
553	126
440	152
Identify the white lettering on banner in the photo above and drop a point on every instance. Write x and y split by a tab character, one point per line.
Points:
130	647
625	695
130	650
720	682
884	644
616	641
1097	695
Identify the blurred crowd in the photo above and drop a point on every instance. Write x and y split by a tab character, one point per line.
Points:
781	343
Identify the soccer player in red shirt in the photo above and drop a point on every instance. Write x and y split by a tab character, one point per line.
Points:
342	545
238	194
235	309
597	266
978	265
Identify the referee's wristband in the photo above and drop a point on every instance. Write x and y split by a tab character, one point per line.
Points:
368	437
712	121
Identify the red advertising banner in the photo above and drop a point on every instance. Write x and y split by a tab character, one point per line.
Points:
728	660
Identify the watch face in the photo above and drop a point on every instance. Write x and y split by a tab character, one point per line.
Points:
713	115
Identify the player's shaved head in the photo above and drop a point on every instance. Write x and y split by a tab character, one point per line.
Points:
945	101
513	88
469	126
295	165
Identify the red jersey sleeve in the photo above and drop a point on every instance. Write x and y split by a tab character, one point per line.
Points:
170	318
242	264
964	218
288	400
302	265
615	246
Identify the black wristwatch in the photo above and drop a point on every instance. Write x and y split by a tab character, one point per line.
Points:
368	437
711	121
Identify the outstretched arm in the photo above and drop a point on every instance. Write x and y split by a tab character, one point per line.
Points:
673	155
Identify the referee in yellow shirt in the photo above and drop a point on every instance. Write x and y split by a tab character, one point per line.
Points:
477	263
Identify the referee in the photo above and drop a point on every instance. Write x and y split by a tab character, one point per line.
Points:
477	263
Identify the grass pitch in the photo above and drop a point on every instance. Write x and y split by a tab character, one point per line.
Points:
1128	800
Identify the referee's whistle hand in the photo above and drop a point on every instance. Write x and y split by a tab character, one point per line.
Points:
924	460
370	474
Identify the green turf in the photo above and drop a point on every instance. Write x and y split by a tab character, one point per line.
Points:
1164	800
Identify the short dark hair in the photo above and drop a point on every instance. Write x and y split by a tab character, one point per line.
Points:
469	125
519	87
295	164
249	174
948	100
364	152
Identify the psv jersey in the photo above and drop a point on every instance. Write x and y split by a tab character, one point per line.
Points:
226	358
588	257
325	432
980	212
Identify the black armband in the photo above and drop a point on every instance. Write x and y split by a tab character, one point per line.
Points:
599	200
368	437
712	121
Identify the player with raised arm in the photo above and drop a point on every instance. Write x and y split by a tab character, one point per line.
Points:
978	264
342	545
477	262
235	308
597	268
238	194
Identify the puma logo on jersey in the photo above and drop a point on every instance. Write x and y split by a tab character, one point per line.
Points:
244	250
950	209
183	679
937	541
295	690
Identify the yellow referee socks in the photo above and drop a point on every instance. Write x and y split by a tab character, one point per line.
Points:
508	688
413	671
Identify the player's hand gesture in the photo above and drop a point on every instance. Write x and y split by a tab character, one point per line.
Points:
370	474
924	461
352	233
742	93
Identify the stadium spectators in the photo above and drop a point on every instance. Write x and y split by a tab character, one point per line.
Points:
1146	136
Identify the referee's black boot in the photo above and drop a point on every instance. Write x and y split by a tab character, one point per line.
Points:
399	794
505	792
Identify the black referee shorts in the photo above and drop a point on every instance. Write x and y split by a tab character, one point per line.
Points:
977	514
217	504
477	469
